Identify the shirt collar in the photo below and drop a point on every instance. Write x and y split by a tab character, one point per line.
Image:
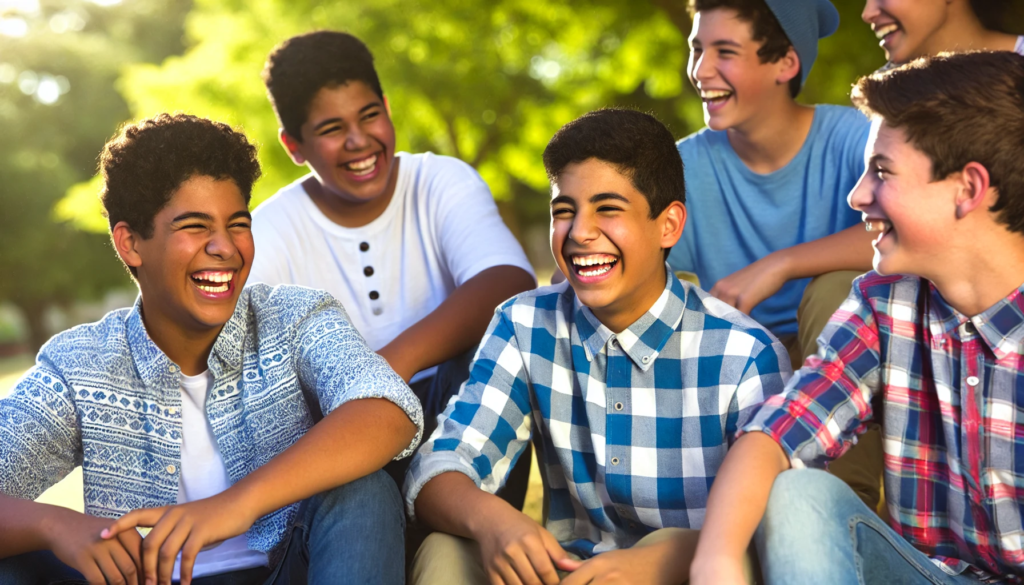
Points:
1001	326
644	339
157	371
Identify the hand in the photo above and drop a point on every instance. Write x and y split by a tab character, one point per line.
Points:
656	563
748	287
76	541
185	528
516	550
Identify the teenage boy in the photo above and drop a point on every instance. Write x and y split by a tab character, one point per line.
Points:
627	380
942	346
909	29
188	411
411	244
768	177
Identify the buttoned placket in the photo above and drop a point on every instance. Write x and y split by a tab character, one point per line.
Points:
618	381
370	274
972	408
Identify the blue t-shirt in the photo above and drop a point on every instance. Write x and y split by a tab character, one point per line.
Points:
737	216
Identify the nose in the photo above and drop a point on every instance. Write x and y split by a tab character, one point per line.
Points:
221	245
584	229
356	138
863	194
702	68
870	12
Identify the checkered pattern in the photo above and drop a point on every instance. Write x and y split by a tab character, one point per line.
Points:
953	394
630	428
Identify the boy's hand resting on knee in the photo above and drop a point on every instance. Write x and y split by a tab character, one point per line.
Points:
185	528
515	549
76	541
652	564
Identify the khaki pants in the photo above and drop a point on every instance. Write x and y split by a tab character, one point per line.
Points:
861	467
450	560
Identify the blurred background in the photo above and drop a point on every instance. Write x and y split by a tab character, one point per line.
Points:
487	82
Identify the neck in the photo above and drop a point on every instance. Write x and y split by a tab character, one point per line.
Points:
962	31
348	213
188	348
773	137
974	279
625	311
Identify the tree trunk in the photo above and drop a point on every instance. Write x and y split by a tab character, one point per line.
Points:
34	316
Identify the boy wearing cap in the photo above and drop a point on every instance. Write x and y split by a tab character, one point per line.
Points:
937	333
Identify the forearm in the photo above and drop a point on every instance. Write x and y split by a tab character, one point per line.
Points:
849	249
458	323
358	438
25	525
738	499
452	503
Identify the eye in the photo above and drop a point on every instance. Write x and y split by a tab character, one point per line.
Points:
608	209
561	212
371	115
328	130
881	173
193	226
241	224
729	52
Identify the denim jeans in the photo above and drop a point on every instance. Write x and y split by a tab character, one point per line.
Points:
350	534
816	530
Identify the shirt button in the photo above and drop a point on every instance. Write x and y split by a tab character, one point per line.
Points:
618	406
171	369
374	295
615	460
363	247
646	359
368	271
377	310
171	469
972	380
614	342
171	410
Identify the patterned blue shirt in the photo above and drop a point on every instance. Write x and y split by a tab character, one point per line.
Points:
630	428
103	396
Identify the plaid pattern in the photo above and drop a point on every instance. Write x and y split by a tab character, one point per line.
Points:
630	428
953	420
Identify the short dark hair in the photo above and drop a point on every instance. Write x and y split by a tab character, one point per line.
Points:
303	65
764	27
146	162
640	146
957	109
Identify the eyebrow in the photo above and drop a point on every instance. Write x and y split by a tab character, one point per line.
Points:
599	197
875	159
718	43
330	121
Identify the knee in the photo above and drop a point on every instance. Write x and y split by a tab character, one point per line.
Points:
374	496
805	492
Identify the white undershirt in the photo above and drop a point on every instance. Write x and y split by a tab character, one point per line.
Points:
1020	45
203	474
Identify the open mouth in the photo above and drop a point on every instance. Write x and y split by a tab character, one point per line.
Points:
715	98
214	282
362	167
884	33
593	265
882	226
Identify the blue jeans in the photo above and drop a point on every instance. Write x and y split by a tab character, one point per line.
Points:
817	530
350	534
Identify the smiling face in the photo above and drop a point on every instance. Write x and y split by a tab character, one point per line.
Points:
913	215
349	142
605	242
193	268
903	27
728	73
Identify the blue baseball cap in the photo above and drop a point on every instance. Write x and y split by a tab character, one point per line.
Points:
804	22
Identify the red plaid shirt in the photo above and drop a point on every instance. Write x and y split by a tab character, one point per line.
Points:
953	393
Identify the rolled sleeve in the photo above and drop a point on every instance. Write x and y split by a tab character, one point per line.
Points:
39	438
485	429
334	359
826	403
764	377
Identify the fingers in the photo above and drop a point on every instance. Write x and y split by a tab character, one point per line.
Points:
125	564
132	543
188	558
111	572
133	519
540	563
169	552
507	574
153	544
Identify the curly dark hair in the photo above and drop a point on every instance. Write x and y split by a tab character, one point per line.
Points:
301	66
638	144
147	161
764	27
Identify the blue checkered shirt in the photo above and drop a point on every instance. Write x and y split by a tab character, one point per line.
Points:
105	397
630	428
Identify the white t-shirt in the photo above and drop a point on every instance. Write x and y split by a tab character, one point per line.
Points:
1020	45
440	229
203	474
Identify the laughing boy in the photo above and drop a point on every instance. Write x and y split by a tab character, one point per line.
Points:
628	381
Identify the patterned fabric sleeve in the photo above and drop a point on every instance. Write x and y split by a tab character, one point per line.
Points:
333	358
765	376
827	402
486	427
39	439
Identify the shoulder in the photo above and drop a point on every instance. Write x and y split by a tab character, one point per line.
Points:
88	344
702	140
286	199
285	304
843	121
439	169
875	288
538	307
718	315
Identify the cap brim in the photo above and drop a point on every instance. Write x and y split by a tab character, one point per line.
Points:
828	19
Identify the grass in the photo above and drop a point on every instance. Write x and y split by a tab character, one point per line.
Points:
68	492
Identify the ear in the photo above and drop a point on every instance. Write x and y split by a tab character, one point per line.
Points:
788	67
126	242
975	190
291	146
387	106
671	222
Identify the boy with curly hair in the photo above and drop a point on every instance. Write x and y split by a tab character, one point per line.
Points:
936	332
188	412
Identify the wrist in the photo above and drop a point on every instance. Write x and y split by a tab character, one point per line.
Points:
487	512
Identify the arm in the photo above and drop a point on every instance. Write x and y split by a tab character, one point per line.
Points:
458	323
849	249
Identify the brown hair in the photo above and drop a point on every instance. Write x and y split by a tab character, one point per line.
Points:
957	109
764	27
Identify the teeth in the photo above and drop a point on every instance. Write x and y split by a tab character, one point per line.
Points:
211	276
877	225
213	289
596	271
714	94
362	167
593	259
885	30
